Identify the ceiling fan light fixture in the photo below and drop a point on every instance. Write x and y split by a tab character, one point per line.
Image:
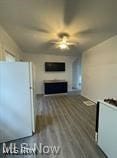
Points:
63	46
63	41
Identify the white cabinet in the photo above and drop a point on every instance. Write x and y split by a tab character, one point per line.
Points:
107	130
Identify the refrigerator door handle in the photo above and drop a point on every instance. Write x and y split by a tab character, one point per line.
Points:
31	88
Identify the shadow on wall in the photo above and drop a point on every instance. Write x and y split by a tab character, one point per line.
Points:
71	10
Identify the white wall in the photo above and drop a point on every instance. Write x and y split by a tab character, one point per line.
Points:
7	43
41	75
99	71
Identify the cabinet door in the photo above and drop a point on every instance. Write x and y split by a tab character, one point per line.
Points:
107	132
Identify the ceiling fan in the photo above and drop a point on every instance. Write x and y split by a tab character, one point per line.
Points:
63	42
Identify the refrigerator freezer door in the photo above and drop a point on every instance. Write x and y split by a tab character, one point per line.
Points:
15	105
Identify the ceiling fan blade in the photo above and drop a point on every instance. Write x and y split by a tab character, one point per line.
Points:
54	41
71	8
93	31
45	46
42	30
36	28
74	44
86	32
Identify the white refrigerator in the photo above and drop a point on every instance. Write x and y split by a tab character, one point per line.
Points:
17	100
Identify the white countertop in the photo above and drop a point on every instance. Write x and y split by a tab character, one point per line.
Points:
109	105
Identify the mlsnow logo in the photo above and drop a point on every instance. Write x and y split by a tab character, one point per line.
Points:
11	149
28	149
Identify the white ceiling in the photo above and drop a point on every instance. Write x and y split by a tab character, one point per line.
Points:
34	23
